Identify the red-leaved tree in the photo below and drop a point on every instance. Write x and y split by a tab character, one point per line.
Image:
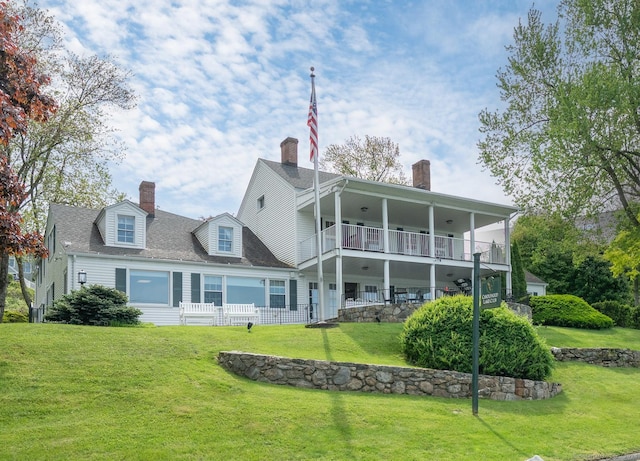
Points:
21	99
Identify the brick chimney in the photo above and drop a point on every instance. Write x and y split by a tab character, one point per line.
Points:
148	197
289	150
422	174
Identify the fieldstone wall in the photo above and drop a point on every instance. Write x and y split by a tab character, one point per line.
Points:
346	376
605	357
388	313
398	313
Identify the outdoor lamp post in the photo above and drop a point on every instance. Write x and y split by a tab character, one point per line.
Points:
82	278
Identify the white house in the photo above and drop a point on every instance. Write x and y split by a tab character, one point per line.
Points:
160	259
535	285
381	243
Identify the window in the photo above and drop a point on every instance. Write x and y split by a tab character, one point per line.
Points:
245	290
213	289
276	293
261	202
225	239
126	229
370	293
149	287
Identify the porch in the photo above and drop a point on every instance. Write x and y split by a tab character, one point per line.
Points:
373	240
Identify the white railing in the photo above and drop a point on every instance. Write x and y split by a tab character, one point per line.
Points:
365	238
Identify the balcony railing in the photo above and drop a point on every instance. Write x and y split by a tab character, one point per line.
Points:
371	239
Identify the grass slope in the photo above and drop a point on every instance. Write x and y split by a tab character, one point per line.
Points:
70	392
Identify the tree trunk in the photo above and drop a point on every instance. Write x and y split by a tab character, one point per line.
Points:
23	285
4	280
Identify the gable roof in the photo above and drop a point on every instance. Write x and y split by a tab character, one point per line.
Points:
169	237
299	177
530	278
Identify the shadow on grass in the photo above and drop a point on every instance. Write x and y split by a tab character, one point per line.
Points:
503	439
338	411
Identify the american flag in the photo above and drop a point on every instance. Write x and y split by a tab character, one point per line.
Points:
312	122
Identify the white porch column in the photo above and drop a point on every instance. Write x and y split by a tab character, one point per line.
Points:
385	225
472	231
432	237
432	281
507	251
387	283
338	220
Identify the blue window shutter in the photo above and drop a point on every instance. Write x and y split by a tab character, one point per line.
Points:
293	295
195	288
121	280
177	288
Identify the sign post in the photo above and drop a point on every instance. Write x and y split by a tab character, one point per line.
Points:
486	294
476	333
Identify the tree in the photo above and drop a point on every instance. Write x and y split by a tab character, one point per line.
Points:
594	282
22	99
375	159
518	280
548	245
65	159
624	256
568	138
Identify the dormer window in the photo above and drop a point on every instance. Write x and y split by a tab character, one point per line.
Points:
225	239
126	229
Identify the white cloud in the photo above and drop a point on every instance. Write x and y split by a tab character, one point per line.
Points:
221	83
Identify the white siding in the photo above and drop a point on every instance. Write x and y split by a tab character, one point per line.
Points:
202	234
109	225
275	223
102	271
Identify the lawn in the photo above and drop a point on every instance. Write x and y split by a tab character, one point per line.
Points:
92	393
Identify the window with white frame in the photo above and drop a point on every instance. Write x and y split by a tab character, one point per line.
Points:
225	239
126	229
277	293
261	202
149	287
213	289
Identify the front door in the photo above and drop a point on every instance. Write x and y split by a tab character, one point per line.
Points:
350	290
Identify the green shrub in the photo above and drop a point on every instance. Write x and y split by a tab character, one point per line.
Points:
620	313
567	311
14	317
439	335
94	305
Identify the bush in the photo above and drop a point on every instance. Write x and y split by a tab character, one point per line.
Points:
567	311
620	313
14	317
440	335
94	305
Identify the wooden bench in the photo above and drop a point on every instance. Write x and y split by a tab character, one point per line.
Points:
198	311
237	314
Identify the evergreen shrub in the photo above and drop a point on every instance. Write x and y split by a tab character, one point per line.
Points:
14	317
567	311
440	335
620	313
94	305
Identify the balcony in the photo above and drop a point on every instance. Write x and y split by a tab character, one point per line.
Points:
371	239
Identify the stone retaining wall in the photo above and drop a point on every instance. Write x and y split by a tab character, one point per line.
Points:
398	313
605	357
388	313
346	376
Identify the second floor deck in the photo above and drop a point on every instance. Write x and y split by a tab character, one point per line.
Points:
421	244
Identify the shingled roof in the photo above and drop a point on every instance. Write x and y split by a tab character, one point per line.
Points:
169	237
299	177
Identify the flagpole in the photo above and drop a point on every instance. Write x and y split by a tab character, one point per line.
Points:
313	140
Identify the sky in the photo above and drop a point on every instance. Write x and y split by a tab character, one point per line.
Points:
221	83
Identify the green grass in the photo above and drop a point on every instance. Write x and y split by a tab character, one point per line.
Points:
91	393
